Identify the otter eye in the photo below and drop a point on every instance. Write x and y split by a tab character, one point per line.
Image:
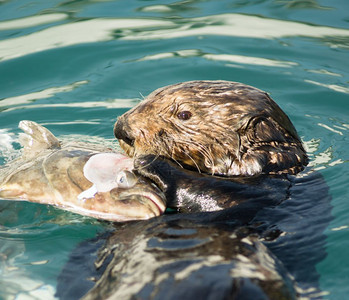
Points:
184	115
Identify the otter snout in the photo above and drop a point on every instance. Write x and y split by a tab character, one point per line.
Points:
123	132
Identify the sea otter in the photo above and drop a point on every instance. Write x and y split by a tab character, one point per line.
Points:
239	152
218	127
227	129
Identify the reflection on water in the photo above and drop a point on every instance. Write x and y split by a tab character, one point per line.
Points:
250	60
31	21
299	4
25	99
239	26
175	7
334	87
98	30
115	103
70	34
14	277
240	59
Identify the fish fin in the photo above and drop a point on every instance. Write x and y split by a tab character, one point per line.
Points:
36	138
89	193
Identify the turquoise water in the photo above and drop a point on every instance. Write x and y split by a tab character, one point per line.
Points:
74	66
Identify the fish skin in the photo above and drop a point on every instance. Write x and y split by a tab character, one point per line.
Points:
51	172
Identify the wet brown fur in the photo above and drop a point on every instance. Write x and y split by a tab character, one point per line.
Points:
234	129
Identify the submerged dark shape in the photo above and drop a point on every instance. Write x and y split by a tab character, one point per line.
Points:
81	177
176	257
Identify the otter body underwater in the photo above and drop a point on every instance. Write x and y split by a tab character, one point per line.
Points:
84	178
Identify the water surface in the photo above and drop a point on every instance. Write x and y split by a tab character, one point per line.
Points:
74	66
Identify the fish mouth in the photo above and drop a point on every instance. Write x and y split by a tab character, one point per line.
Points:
141	204
156	199
152	201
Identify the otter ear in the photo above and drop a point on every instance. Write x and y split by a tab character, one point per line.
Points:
273	146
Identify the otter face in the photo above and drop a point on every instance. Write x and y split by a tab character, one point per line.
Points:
218	127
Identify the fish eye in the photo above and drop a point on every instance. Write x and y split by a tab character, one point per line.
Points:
126	179
184	115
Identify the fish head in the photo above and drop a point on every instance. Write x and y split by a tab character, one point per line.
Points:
79	178
117	193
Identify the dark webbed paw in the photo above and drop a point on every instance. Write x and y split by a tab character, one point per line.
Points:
193	192
156	169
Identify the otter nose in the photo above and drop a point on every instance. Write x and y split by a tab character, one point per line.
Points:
122	132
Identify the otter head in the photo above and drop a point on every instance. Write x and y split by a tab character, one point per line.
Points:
218	127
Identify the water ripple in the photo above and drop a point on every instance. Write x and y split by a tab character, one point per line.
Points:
31	21
97	30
